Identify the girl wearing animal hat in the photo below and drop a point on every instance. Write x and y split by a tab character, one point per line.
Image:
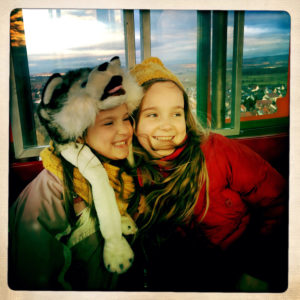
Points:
205	187
66	226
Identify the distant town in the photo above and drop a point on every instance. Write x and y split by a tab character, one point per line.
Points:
256	100
264	80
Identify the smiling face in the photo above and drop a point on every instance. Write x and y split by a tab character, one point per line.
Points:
111	133
161	122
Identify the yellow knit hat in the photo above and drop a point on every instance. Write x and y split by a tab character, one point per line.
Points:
153	68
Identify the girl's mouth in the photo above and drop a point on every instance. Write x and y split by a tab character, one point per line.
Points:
163	138
120	143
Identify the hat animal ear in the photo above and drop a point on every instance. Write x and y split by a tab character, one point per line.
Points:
115	60
115	57
53	82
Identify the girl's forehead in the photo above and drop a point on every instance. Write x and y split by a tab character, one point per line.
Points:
120	110
163	93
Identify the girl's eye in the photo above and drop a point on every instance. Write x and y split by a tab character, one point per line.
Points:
126	119
179	114
108	123
153	115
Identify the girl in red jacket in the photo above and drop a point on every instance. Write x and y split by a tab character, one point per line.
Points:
207	187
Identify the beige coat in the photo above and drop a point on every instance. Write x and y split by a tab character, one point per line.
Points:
45	260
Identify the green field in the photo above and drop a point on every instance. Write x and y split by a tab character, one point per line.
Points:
265	79
270	79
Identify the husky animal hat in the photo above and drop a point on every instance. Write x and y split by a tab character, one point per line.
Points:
71	102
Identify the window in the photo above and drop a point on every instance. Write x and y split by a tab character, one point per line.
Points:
254	67
68	39
265	82
234	65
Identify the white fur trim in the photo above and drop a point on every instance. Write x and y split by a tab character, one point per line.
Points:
77	115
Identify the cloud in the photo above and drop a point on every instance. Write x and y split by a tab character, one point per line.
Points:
255	31
173	21
87	36
270	45
278	19
68	32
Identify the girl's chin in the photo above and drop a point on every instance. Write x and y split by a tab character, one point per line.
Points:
163	153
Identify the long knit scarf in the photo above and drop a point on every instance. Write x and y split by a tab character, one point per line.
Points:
81	187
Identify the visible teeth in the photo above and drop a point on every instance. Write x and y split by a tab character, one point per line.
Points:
120	143
163	138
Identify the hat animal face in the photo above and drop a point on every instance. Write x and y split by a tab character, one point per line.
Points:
71	102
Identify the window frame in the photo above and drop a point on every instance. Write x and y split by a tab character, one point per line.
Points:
205	20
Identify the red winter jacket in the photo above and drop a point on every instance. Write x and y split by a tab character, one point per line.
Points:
238	179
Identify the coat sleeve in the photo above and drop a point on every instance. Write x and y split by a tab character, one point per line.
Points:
37	259
258	183
266	193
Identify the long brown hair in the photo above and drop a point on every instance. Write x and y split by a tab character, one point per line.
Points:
172	200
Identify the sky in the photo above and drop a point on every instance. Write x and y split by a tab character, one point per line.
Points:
58	39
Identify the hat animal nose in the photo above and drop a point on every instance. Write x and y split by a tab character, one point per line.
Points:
114	87
103	67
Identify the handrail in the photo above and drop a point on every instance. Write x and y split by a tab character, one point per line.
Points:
145	32
237	62
203	65
128	16
218	80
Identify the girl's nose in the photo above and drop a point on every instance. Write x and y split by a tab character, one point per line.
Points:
165	125
122	129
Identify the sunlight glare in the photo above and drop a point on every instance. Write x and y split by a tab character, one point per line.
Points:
64	35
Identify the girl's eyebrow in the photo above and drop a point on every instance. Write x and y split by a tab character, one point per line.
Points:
148	108
153	108
107	118
111	118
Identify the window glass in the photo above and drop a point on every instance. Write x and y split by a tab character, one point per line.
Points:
265	64
58	40
174	41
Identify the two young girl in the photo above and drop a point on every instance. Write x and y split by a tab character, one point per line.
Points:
198	193
206	186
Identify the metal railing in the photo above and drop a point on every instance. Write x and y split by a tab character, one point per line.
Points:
211	69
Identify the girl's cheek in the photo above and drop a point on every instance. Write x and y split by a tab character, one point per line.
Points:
146	126
140	126
129	129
